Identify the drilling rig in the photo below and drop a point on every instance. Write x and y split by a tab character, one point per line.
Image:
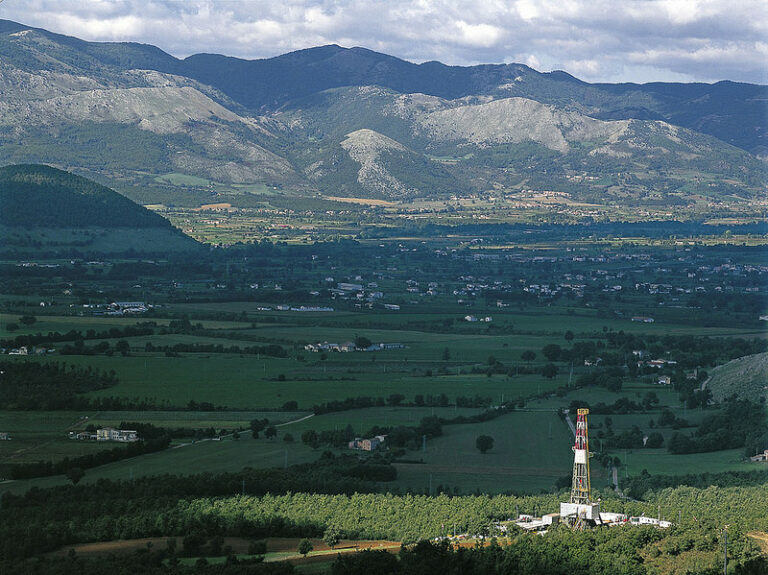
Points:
581	511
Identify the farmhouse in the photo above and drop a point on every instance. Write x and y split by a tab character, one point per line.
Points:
5	436
760	456
112	434
367	444
344	286
126	307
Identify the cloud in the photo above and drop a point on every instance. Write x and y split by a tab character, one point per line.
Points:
596	40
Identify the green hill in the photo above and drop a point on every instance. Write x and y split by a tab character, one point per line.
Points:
746	377
35	195
46	207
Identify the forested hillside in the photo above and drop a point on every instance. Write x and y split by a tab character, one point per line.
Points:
41	196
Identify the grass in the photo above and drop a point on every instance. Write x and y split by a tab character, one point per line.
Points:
43	436
227	455
64	323
661	462
192	419
532	448
177	179
531	451
247	382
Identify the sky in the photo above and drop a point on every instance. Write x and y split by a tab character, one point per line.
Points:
595	40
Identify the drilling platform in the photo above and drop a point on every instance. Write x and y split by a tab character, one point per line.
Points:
581	510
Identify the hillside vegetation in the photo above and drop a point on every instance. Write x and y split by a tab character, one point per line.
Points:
33	195
43	207
747	377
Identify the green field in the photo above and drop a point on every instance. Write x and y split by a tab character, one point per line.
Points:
43	435
441	355
531	451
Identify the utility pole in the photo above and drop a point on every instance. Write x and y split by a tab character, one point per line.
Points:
725	551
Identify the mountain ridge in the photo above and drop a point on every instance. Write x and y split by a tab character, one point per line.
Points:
260	84
132	115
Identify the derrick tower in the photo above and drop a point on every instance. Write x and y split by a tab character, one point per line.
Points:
581	510
580	485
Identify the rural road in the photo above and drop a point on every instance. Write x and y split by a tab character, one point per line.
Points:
295	420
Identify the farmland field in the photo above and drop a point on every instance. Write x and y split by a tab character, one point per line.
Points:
216	352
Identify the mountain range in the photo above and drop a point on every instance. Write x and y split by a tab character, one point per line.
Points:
331	122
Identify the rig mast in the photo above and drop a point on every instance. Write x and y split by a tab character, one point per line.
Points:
581	510
581	490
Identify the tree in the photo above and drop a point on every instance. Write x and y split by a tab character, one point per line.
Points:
122	347
258	425
270	432
310	437
362	342
650	399
484	443
569	336
305	546
332	536
528	355
27	319
552	351
549	371
288	438
395	399
11	327
655	440
75	474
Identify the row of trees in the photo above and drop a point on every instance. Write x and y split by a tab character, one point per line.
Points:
48	386
740	423
65	465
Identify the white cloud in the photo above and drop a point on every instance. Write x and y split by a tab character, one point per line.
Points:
597	40
483	35
533	62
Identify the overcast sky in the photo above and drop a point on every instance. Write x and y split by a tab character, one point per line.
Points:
595	40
